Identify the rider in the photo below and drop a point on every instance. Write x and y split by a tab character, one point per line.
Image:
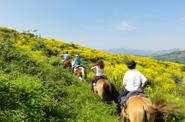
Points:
65	57
99	66
133	80
77	64
77	61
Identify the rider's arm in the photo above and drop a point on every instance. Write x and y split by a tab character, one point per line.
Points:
125	80
93	68
143	80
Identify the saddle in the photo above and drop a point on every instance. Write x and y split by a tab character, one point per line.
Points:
124	99
76	66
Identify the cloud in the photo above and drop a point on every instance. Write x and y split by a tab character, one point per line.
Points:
124	26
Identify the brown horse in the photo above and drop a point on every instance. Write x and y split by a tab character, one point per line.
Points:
80	72
106	90
141	109
67	64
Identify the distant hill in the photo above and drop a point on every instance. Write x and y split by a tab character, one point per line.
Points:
177	56
140	52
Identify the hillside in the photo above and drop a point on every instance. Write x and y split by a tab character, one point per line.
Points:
177	56
149	53
34	87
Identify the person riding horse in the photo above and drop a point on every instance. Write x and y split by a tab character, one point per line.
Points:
101	85
65	57
134	81
66	60
76	62
99	66
77	67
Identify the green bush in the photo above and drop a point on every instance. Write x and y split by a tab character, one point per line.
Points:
35	88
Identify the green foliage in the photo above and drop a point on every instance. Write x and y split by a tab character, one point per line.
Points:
55	61
34	87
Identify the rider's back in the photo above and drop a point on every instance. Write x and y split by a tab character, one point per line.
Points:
66	56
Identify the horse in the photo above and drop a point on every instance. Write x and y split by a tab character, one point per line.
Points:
106	90
80	72
141	109
67	64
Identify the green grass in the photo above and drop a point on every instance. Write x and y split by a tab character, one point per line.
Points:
35	88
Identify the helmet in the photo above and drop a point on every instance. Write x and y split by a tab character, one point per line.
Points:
131	64
77	54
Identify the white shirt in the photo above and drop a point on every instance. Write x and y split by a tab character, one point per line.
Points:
99	71
66	56
133	80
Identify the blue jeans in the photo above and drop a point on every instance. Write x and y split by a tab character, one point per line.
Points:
122	94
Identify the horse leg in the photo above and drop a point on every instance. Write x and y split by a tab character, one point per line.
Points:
83	72
123	116
94	87
80	78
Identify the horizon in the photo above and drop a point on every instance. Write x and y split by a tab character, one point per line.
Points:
139	25
172	49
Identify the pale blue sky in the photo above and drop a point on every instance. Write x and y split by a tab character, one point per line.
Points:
101	24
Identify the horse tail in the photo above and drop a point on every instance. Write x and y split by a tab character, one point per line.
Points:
145	115
115	93
163	110
107	91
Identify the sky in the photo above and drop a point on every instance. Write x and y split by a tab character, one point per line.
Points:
101	24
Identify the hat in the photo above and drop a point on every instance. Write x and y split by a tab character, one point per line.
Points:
131	64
